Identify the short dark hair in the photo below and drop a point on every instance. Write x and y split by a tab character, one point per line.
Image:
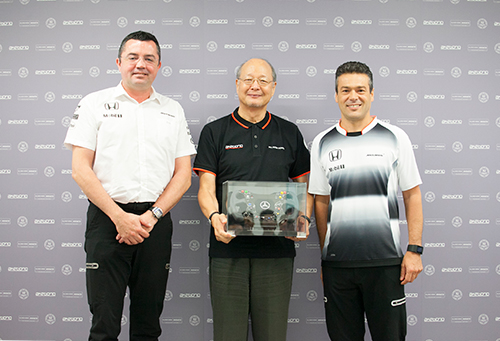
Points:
273	72
353	67
142	36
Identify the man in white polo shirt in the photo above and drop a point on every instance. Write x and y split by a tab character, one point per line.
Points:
132	159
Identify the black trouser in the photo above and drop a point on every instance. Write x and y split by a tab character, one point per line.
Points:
350	293
112	266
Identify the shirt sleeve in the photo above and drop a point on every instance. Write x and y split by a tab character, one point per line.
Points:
301	165
407	168
83	128
185	143
318	182
207	157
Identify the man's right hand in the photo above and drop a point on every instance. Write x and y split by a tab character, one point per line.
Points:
130	230
219	222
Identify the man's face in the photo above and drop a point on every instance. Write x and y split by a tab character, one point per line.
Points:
354	97
139	64
255	95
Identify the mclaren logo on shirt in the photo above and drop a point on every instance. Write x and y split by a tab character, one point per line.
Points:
335	155
234	146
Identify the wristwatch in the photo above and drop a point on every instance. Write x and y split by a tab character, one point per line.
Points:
157	212
415	248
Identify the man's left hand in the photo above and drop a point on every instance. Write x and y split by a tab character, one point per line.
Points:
410	267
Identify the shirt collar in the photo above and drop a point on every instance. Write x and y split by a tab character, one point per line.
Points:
245	124
120	91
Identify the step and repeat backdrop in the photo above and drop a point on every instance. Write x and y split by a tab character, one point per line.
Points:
436	66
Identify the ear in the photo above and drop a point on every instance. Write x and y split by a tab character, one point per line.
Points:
118	63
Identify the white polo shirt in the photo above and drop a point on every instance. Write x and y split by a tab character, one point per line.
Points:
135	144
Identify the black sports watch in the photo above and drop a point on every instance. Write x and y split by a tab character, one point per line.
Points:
157	212
415	248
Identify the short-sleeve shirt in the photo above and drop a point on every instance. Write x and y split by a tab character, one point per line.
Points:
232	148
135	144
361	174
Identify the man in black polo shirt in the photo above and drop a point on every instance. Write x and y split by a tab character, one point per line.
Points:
252	274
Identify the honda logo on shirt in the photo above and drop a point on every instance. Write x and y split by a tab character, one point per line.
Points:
335	155
109	106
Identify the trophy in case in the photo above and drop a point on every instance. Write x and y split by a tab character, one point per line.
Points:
261	208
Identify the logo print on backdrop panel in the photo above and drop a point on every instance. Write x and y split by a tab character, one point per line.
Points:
122	22
338	22
356	46
67	47
50	23
428	47
23	72
384	71
267	21
429	270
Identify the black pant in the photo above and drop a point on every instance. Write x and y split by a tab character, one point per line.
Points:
350	293
112	266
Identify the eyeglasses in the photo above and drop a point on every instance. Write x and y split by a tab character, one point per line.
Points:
261	82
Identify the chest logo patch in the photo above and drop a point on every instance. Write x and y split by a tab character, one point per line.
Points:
234	146
335	155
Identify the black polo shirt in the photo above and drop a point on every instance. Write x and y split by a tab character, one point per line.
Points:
232	148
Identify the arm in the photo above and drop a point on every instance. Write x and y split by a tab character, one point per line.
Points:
127	225
412	262
321	203
209	204
172	194
309	207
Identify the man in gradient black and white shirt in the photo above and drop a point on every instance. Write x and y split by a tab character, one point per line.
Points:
357	167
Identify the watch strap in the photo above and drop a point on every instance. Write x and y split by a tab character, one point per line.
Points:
415	248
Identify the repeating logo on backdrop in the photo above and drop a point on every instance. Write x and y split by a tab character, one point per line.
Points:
338	22
456	222
50	319
430	197
94	72
267	21
24	294
484	245
22	221
166	71
311	71
457	295
50	97
411	320
483	97
429	121
22	146
50	23
312	295
194	21
194	245
283	46
429	270
122	22
428	47
411	22
49	171
67	47
194	96
457	147
456	72
49	245
412	97
66	196
356	46
212	46
66	269
482	23
23	72
384	71
484	172
194	320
